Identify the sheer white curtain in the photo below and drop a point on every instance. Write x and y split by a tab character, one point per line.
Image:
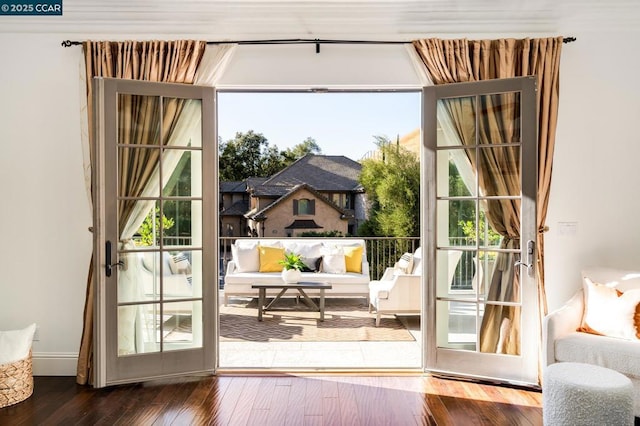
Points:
211	68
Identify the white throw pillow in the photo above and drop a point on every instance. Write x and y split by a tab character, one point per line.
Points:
333	261
405	264
179	264
417	261
609	311
246	257
16	344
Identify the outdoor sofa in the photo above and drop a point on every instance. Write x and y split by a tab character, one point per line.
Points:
341	262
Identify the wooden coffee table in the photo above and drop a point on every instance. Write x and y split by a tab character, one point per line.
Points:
284	287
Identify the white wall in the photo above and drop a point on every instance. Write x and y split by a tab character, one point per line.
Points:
44	215
44	212
596	172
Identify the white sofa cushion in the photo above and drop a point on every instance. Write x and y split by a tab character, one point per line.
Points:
276	277
310	253
617	354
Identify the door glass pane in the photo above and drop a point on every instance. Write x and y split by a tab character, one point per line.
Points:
183	224
182	325
503	271
500	329
456	223
455	274
139	278
484	262
182	164
456	325
182	122
138	120
456	121
500	118
138	329
455	174
142	223
499	170
488	236
177	280
139	177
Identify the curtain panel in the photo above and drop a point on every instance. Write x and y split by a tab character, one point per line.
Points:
159	61
462	60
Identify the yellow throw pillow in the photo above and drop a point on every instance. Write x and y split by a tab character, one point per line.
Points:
269	258
353	259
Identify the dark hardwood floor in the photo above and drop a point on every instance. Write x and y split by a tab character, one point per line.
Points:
277	400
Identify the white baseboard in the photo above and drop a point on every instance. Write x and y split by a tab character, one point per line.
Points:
55	363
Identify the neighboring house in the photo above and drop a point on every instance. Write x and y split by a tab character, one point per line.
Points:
316	193
234	203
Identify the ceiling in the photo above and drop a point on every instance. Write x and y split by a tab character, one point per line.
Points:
351	19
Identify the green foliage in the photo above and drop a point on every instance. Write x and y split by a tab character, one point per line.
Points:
308	146
250	155
292	261
151	223
393	188
469	230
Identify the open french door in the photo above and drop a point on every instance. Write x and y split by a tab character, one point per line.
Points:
479	171
155	228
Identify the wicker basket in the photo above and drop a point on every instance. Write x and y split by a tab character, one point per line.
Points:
16	381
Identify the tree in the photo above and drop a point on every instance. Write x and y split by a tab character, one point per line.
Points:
308	146
248	155
392	185
150	227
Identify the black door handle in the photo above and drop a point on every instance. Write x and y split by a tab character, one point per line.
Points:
108	266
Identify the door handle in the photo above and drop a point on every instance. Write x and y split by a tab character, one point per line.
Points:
529	262
108	266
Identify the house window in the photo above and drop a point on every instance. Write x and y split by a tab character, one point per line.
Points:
304	206
341	199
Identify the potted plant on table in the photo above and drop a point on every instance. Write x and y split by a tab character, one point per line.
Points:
292	266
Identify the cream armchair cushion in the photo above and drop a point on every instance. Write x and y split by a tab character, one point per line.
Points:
397	292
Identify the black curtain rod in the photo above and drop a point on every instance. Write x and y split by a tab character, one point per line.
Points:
316	41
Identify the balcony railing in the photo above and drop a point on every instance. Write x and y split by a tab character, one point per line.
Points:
382	252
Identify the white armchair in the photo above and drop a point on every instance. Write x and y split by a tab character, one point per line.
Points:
397	292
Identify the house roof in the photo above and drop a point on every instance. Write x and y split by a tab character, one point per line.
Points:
303	224
322	172
233	186
239	208
261	214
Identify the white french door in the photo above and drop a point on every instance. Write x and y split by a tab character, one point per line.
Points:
479	185
155	216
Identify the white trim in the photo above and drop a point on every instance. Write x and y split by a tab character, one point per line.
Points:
55	363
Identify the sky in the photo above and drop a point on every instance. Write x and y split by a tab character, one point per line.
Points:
341	123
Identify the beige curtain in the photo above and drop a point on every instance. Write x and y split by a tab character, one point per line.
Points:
162	61
450	61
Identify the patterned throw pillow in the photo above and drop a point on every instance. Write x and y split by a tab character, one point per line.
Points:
405	264
180	264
